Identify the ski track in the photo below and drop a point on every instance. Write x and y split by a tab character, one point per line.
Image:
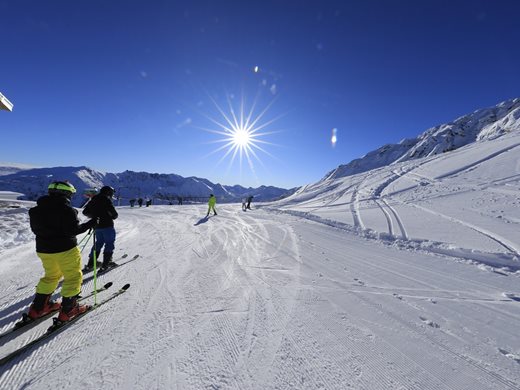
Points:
511	247
474	164
355	207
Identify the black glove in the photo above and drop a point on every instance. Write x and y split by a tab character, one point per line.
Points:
92	223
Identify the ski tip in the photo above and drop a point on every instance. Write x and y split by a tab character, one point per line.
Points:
126	286
108	285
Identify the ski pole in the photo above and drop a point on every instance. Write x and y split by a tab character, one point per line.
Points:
83	239
95	268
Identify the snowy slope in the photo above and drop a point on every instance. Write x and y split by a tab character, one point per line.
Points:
463	203
395	278
484	124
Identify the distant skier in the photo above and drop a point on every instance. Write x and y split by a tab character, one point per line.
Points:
211	204
249	200
132	202
244	201
101	207
140	202
55	223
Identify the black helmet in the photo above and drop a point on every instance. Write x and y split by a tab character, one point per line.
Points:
61	188
107	191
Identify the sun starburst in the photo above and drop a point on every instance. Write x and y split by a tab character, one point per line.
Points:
242	132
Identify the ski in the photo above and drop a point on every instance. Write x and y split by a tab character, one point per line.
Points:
58	326
512	296
27	323
115	265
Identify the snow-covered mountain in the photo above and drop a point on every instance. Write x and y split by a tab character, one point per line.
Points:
484	124
161	187
9	168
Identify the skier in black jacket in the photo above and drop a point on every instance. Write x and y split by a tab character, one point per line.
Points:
101	207
55	224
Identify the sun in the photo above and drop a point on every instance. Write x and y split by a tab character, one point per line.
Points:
242	132
241	137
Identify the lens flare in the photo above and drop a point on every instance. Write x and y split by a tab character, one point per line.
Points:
241	131
334	137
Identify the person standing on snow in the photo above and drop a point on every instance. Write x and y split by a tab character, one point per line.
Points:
55	223
249	200
211	204
101	207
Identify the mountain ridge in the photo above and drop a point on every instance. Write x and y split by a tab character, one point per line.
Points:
162	187
481	125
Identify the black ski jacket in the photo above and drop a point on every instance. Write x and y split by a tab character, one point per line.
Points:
55	223
101	206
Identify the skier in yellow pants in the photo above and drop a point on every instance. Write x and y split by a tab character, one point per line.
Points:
57	265
55	223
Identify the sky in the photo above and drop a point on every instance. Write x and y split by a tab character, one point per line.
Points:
151	86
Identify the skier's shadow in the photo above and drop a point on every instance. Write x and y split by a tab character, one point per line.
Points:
14	311
201	221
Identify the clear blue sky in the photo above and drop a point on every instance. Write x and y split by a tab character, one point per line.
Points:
119	85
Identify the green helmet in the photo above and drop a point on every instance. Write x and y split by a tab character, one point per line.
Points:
61	188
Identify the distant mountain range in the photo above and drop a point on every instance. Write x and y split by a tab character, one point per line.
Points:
162	188
484	124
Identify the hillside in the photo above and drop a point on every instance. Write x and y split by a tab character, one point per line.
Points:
484	124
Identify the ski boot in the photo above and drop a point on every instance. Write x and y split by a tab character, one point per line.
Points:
70	308
42	305
90	265
107	261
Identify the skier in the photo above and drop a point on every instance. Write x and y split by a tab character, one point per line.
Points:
101	207
249	200
55	223
211	204
132	202
244	200
140	202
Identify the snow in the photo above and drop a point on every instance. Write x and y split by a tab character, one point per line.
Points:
400	277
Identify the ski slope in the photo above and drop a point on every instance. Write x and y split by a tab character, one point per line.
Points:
397	278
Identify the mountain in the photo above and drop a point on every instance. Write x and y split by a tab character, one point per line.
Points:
161	187
8	168
462	203
481	125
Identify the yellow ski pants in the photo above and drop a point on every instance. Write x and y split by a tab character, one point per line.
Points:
57	265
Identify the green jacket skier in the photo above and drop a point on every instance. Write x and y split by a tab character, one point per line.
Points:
211	204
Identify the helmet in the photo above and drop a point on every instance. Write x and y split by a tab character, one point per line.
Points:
61	188
107	191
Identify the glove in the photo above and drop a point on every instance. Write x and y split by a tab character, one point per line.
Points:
92	223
